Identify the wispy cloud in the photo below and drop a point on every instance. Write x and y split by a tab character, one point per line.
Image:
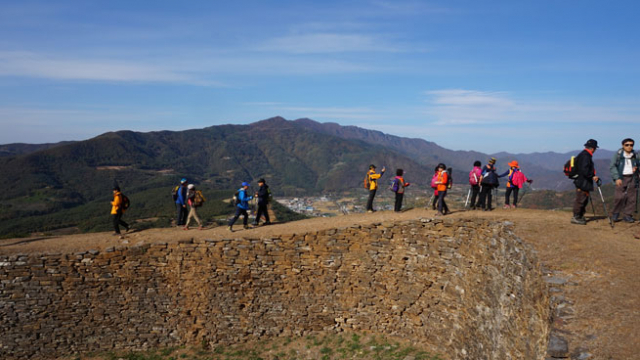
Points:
472	107
327	43
28	64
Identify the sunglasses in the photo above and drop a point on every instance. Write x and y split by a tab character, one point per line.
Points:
628	145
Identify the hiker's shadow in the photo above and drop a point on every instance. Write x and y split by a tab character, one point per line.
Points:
26	241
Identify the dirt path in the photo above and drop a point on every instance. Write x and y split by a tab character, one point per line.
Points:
602	265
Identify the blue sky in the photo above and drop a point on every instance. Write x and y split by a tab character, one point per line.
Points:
516	76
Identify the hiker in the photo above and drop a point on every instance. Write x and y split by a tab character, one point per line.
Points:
372	179
442	182
398	186
242	205
488	182
180	197
117	210
586	175
514	183
474	180
623	167
193	204
263	194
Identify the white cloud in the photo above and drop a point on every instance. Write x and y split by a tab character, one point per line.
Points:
326	43
35	65
471	107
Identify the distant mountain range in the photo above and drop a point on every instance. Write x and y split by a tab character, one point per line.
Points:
300	157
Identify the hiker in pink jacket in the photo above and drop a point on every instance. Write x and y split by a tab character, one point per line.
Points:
515	183
474	181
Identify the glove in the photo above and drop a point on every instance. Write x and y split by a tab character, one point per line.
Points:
529	181
599	182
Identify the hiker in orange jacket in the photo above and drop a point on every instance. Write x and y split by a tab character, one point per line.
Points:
441	186
117	211
373	185
398	187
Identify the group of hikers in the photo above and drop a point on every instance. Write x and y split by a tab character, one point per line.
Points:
624	170
482	181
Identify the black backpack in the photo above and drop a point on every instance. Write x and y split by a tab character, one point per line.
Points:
174	193
236	198
125	202
450	178
570	169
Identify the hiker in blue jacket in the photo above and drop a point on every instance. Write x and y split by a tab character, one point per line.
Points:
242	206
181	203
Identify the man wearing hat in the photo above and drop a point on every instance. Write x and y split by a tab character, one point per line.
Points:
242	206
263	195
489	181
584	181
181	203
624	169
373	185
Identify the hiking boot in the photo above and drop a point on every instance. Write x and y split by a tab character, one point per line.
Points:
578	221
230	228
185	228
267	223
247	227
615	217
628	219
506	206
514	207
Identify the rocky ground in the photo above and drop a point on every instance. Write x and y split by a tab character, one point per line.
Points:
593	270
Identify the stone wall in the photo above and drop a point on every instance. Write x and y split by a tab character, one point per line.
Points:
468	289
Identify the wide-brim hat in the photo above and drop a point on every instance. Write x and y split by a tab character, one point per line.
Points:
514	163
591	144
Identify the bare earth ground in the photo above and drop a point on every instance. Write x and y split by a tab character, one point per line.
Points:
602	265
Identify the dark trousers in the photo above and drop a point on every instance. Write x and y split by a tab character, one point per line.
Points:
485	197
372	194
239	212
262	210
624	198
398	205
182	213
475	190
117	221
441	204
507	195
580	204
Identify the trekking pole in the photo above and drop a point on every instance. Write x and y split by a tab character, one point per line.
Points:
592	207
603	204
524	192
467	201
637	174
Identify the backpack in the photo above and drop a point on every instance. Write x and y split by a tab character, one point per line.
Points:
174	193
125	202
434	180
570	169
395	185
199	199
269	196
490	178
517	178
449	178
367	182
474	177
236	198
